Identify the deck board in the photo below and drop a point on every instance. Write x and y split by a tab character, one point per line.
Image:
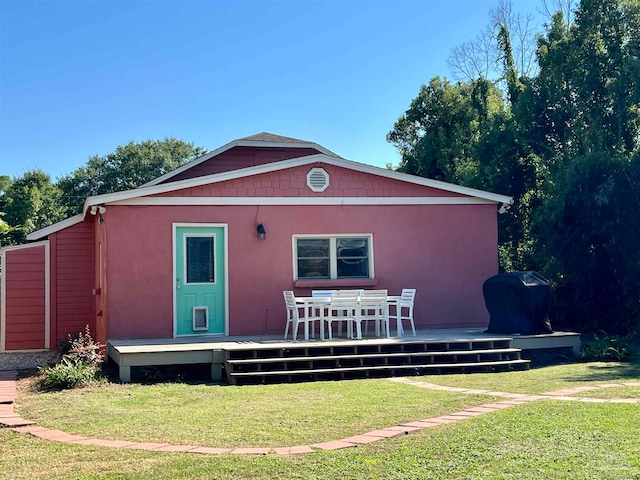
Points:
211	342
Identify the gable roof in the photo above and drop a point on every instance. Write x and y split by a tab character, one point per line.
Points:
285	164
272	138
263	139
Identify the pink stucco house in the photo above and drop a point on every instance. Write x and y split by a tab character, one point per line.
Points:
207	249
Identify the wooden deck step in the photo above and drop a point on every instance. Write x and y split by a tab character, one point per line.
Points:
375	371
372	360
309	362
369	355
406	347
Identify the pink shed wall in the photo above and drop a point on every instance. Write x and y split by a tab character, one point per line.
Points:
293	183
25	298
72	277
445	251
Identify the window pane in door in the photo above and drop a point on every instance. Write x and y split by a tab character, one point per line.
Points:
313	257
353	257
200	260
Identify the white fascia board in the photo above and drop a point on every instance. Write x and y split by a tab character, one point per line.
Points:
229	146
230	201
11	248
291	163
43	232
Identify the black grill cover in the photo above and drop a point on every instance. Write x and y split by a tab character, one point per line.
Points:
518	302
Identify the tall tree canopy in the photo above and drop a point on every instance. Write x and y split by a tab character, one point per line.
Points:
33	201
129	166
438	133
564	141
30	202
5	182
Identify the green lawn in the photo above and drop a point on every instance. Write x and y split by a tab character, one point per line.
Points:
544	439
545	379
221	416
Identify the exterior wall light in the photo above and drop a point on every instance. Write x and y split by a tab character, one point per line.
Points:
262	233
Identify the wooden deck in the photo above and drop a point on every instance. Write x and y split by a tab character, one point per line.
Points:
213	349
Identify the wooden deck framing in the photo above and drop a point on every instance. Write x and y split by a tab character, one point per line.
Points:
211	349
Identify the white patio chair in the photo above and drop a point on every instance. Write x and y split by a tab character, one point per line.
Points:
373	307
344	308
405	301
295	319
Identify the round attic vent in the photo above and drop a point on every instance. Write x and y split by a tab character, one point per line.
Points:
318	179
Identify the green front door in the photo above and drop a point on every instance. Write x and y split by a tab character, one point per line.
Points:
200	280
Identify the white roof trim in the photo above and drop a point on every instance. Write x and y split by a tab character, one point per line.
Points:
294	162
11	248
237	143
222	201
43	232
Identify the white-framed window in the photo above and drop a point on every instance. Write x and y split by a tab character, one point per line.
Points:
332	257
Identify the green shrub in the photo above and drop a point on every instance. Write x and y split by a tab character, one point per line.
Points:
603	347
67	374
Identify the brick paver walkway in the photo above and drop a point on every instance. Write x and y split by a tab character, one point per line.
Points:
10	419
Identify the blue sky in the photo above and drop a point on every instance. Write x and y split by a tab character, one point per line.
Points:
78	78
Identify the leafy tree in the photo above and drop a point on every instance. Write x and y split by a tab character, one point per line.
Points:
586	96
589	236
437	135
564	142
31	202
586	99
129	166
5	182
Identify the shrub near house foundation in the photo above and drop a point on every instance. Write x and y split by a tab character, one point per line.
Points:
80	364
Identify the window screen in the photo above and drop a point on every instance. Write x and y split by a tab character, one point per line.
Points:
353	257
313	258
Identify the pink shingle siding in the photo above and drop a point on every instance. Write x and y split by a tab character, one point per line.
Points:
293	183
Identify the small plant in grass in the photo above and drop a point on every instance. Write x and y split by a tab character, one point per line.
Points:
80	364
67	374
603	347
